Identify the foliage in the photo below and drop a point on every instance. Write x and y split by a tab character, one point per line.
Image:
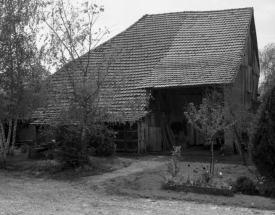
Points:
267	61
71	34
20	71
207	177
206	180
71	30
241	114
173	167
267	189
69	151
209	117
102	140
263	148
245	186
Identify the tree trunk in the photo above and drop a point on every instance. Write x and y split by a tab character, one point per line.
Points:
84	129
2	147
212	153
7	144
83	136
212	157
13	136
3	140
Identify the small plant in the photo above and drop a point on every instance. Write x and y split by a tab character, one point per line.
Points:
246	186
207	177
173	167
229	182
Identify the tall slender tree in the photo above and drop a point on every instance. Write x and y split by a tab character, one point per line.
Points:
19	67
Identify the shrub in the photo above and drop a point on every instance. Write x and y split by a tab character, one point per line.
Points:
72	153
207	178
263	144
267	189
69	150
102	140
245	185
173	167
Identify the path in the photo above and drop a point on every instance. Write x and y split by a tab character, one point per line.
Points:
135	167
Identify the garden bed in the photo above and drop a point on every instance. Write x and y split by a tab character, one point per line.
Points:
149	184
199	190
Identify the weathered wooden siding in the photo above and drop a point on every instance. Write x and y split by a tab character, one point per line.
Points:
245	88
127	137
141	136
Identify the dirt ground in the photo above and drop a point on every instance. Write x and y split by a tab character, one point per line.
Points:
117	185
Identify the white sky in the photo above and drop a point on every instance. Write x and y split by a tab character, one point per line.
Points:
120	14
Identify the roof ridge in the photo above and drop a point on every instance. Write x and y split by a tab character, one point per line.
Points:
200	11
148	15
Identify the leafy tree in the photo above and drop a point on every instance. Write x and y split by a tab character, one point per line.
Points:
263	149
267	61
20	71
209	119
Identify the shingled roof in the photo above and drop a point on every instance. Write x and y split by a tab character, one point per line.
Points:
181	49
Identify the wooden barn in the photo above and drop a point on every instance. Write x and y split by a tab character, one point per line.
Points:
167	61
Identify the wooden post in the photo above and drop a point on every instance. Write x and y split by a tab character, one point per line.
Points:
146	133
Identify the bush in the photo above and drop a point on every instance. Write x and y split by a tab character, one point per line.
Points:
69	150
267	189
207	178
102	140
173	167
245	185
263	144
72	153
